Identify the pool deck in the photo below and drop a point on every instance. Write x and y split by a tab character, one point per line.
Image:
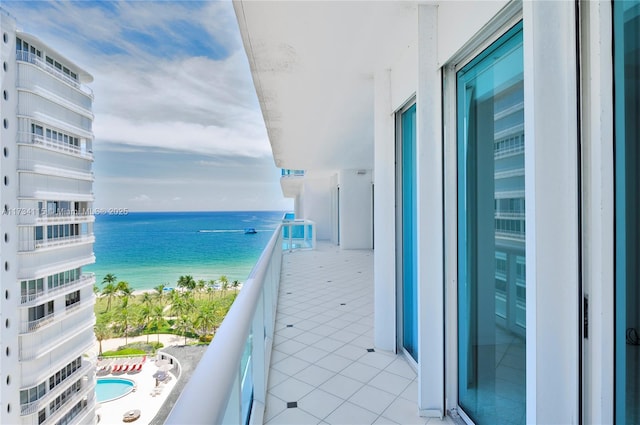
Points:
142	398
111	412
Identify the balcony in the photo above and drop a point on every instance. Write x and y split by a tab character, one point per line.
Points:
31	245
298	234
291	182
35	325
59	333
34	406
24	56
286	173
54	144
312	362
53	169
36	297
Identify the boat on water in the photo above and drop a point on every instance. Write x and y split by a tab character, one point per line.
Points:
250	231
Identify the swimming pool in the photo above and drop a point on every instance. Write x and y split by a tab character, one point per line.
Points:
108	389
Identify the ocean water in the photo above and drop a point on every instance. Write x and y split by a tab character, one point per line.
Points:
152	248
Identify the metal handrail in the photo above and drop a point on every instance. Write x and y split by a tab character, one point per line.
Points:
205	402
29	57
49	142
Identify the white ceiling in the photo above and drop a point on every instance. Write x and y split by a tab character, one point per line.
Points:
313	64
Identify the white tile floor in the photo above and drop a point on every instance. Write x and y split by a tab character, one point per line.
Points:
320	360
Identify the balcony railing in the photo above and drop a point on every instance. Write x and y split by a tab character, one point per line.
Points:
33	325
24	56
298	234
239	355
35	295
34	406
286	172
30	165
57	331
51	143
30	244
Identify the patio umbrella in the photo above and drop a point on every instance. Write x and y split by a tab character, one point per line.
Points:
165	368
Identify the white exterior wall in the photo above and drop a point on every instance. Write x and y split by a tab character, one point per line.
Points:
356	209
316	200
39	169
384	255
598	211
551	177
10	295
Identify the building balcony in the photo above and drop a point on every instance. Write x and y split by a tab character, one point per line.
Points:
31	245
33	374
59	333
41	323
54	145
291	182
53	169
291	173
38	297
313	361
86	369
24	56
86	395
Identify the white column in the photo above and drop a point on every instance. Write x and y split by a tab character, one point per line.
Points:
551	178
598	207
430	225
384	266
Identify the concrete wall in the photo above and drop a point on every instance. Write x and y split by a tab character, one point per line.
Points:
316	205
356	209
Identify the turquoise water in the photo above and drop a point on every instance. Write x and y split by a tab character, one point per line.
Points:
153	248
108	389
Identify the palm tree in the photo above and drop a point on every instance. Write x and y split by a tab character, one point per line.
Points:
124	317
109	278
109	291
183	325
146	313
211	284
182	304
157	319
224	284
124	289
235	285
200	285
160	292
187	282
102	332
206	318
147	299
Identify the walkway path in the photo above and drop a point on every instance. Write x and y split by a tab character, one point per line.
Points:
166	339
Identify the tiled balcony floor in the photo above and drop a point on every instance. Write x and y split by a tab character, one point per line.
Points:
321	358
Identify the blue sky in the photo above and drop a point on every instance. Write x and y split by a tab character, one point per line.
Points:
177	123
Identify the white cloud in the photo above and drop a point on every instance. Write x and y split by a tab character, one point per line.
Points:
141	198
151	100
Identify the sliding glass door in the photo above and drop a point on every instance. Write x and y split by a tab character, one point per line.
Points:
627	163
407	276
491	234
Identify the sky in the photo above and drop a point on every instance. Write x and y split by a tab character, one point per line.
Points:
177	122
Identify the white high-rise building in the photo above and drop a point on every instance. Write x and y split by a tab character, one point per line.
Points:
46	234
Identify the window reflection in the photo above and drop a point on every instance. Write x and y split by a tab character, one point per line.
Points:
492	231
627	145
